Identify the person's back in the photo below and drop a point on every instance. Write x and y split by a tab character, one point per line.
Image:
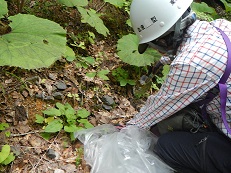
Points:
203	57
200	59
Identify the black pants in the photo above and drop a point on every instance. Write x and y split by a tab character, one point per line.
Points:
186	152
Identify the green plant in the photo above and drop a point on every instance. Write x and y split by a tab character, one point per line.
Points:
227	5
6	157
3	127
122	76
89	16
3	9
75	96
85	62
100	74
128	53
204	12
31	42
79	152
63	116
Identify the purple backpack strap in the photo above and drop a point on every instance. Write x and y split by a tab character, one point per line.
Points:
222	82
222	87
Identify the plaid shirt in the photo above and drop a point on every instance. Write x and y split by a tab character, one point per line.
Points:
199	64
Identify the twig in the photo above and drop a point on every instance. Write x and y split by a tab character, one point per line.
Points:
101	7
23	134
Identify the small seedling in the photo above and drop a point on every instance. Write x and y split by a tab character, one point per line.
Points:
102	74
6	157
122	76
63	116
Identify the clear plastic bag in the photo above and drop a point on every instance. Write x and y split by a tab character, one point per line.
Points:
130	150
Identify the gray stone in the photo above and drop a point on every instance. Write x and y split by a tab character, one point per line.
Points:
52	154
61	85
108	100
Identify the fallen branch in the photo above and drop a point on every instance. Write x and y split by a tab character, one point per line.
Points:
23	134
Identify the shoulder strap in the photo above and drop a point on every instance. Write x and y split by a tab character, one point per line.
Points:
221	86
222	82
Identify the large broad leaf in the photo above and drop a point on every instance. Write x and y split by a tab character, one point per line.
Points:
3	8
33	42
73	3
127	48
92	18
117	3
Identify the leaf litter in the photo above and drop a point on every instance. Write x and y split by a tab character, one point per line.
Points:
27	93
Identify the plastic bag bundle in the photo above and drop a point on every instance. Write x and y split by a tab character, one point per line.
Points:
130	150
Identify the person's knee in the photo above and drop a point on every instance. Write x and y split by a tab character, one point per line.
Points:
163	145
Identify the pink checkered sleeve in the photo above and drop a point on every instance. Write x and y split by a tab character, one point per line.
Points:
200	62
184	84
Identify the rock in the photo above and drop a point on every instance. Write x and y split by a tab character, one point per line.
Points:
106	107
49	98
58	95
108	100
59	171
52	76
61	85
52	154
69	168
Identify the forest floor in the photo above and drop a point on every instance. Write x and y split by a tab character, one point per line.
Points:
26	93
23	94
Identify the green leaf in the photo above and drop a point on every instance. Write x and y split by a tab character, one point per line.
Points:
73	3
46	136
3	126
83	113
127	48
92	18
39	119
102	74
69	54
33	42
54	126
165	71
227	5
89	60
131	82
72	128
71	117
3	8
86	123
61	107
49	119
52	112
91	74
4	153
203	11
9	159
7	133
117	3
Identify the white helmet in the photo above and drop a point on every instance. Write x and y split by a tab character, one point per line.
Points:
152	18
